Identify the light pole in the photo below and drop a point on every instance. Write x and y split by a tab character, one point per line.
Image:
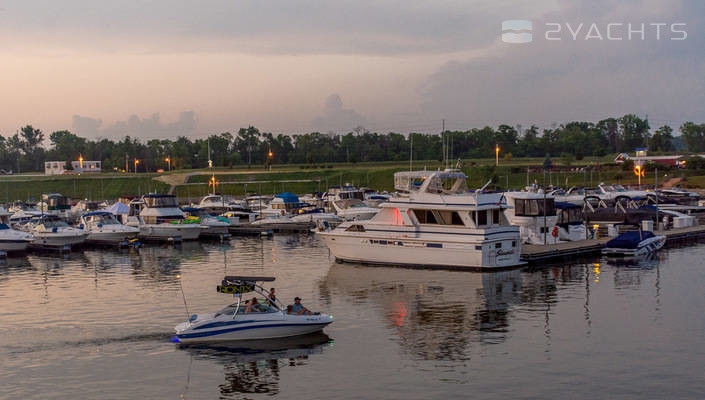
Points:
80	162
168	160
136	162
496	155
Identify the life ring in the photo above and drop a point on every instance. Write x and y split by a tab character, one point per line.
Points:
555	232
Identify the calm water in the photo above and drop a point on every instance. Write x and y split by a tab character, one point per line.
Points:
98	324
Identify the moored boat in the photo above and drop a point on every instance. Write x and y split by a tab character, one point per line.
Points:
634	243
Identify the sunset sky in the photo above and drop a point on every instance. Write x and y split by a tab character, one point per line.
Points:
161	68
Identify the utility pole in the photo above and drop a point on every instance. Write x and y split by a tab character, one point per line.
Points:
125	162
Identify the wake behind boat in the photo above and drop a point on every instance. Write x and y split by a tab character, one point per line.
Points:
265	319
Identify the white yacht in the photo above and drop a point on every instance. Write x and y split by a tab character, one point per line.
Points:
55	204
348	203
49	231
436	221
571	224
11	239
104	228
159	218
535	215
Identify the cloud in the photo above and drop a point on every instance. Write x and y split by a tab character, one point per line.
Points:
278	26
559	81
135	126
337	119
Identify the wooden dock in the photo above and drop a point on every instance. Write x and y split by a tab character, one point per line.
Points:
533	253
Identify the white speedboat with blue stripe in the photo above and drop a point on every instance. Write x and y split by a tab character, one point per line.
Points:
635	243
266	320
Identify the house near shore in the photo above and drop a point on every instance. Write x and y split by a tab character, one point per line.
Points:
77	167
641	158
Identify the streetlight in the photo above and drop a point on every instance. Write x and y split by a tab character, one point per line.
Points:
80	161
496	155
168	160
136	162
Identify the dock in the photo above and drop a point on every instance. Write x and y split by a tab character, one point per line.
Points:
533	253
268	229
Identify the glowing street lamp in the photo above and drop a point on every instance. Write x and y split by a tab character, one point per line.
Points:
80	161
136	162
639	171
168	160
496	155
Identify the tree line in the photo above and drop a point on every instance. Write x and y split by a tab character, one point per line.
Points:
26	151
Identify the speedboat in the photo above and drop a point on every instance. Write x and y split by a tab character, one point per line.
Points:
11	239
266	320
104	228
571	226
50	231
348	203
211	226
634	243
435	222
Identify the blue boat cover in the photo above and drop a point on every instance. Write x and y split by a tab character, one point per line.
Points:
88	214
629	240
563	205
288	197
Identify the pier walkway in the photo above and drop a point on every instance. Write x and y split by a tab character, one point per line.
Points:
533	253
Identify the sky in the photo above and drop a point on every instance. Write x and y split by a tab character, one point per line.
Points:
163	68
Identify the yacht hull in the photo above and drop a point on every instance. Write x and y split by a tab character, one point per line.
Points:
160	232
423	253
234	330
107	237
57	240
13	245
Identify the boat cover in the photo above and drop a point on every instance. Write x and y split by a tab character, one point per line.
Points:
629	240
288	197
118	208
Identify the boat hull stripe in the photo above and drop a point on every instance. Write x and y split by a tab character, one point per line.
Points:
222	331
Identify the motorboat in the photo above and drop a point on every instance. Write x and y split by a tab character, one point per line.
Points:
258	203
634	243
50	231
159	218
265	320
679	196
283	204
571	226
534	212
83	207
436	222
573	195
348	203
12	240
104	228
55	204
211	226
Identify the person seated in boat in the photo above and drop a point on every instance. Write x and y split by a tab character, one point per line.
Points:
253	306
272	298
289	309
299	308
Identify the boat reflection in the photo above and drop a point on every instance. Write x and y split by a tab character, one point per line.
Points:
254	366
436	314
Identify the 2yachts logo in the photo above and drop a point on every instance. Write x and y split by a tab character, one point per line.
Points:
520	31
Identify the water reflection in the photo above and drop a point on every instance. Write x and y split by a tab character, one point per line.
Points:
435	314
255	366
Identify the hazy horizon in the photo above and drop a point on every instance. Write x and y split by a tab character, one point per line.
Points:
161	69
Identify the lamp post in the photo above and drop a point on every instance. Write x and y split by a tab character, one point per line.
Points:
80	162
136	162
168	160
496	155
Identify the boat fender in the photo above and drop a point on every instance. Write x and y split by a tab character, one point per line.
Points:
81	226
54	229
555	231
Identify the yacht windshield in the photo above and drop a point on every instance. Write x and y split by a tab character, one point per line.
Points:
160	201
54	223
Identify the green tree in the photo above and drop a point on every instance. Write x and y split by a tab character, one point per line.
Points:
694	136
662	139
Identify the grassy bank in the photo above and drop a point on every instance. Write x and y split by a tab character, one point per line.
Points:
77	187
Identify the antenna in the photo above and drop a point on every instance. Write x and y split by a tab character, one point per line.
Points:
188	315
411	151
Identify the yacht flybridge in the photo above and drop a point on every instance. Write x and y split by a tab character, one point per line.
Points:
436	222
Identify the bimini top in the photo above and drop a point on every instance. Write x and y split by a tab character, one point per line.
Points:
241	284
448	181
629	240
288	197
92	213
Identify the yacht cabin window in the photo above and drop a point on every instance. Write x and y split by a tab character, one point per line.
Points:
438	217
533	207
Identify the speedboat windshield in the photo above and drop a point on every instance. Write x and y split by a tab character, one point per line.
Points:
54	223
